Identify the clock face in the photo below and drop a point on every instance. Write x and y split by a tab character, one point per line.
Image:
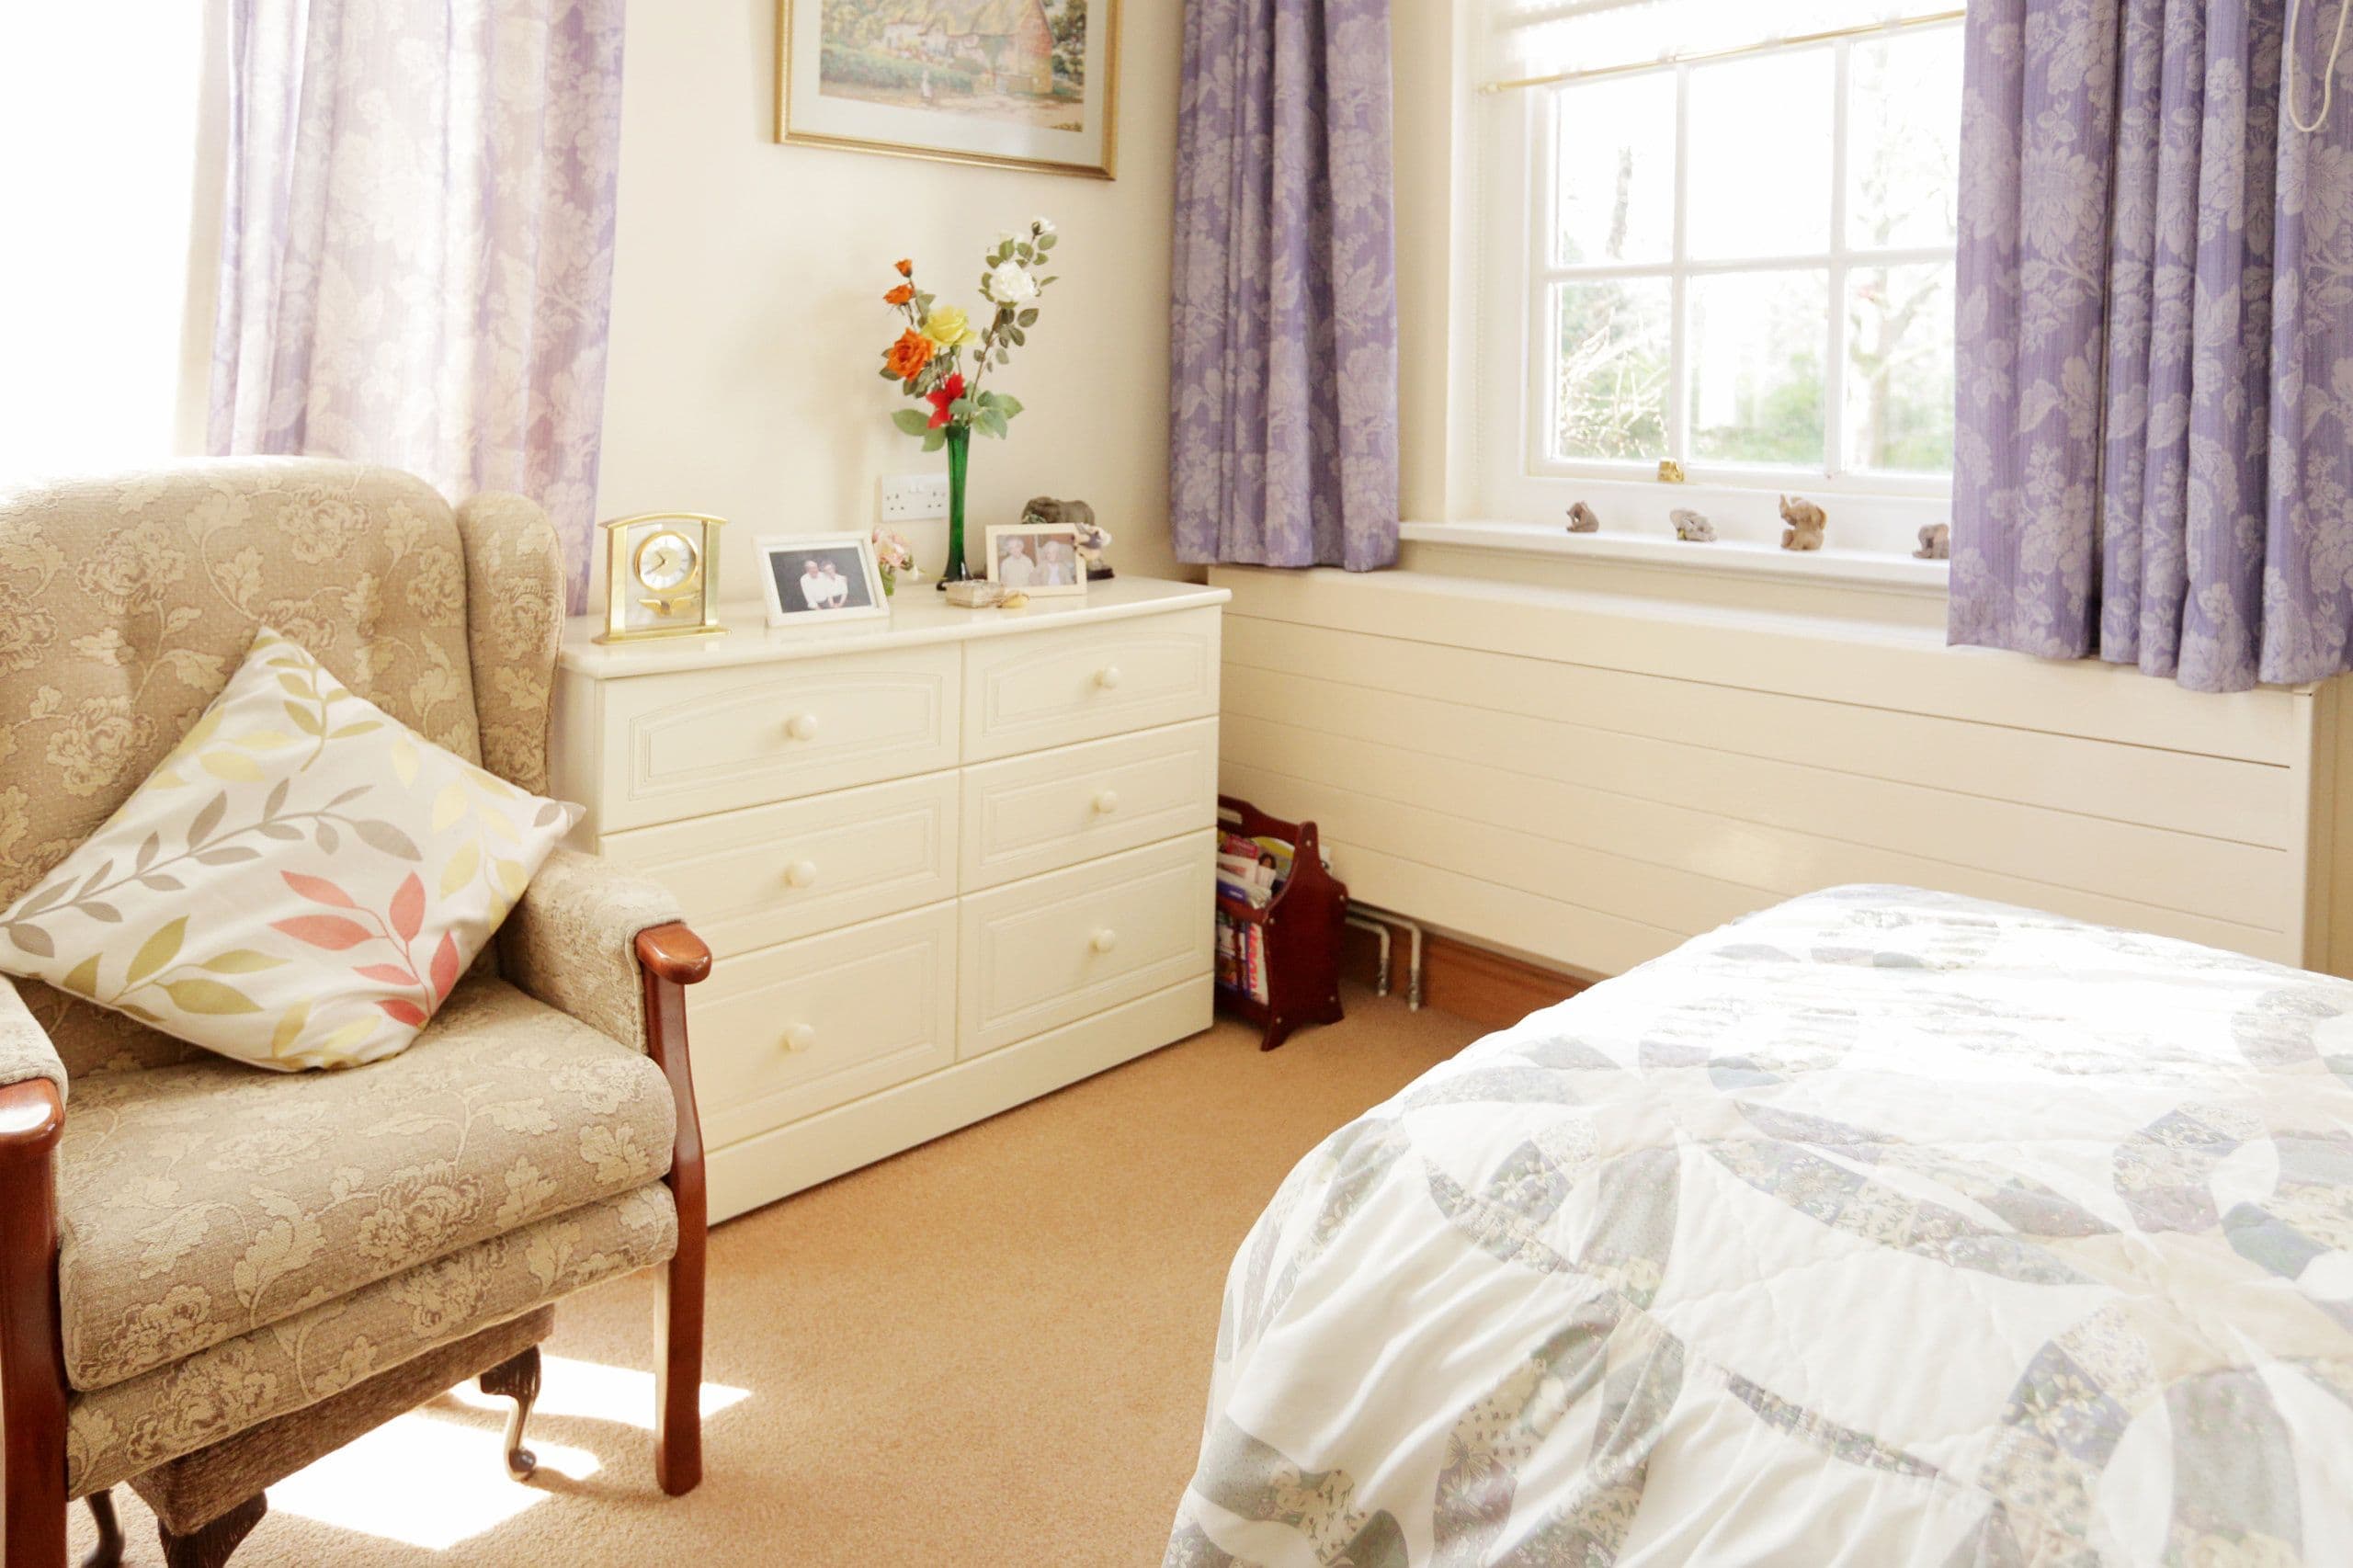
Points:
665	560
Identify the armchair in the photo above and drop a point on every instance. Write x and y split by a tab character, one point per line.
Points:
210	1274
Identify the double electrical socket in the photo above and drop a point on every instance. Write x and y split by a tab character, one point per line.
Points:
912	497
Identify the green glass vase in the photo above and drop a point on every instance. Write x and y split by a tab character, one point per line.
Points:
959	442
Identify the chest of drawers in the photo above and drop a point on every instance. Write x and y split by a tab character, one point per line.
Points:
946	863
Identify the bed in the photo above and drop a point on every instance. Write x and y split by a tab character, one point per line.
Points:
1882	1227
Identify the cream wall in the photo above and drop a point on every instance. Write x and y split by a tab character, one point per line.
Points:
748	323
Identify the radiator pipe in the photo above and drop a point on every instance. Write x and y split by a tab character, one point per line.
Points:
1414	965
1381	985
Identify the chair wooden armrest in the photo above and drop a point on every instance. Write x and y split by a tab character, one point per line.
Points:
671	958
32	1348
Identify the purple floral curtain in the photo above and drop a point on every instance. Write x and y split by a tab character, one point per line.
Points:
1283	394
2154	457
416	260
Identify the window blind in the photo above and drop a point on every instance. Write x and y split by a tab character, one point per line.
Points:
1530	41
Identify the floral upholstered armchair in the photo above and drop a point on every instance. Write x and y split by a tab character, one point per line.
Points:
210	1274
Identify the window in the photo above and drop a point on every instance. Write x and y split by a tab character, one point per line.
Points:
1746	264
112	117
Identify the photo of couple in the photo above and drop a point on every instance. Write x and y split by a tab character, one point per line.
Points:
824	582
828	577
1037	559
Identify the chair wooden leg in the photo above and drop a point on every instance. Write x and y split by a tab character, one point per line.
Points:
678	1366
517	1378
32	1351
108	1554
210	1546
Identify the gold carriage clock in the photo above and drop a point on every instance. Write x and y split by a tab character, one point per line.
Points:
660	576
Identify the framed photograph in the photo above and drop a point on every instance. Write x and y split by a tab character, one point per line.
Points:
1037	559
1016	84
812	578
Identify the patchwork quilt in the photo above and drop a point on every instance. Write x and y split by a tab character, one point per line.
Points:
1882	1227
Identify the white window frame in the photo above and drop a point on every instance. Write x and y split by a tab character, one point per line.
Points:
1521	474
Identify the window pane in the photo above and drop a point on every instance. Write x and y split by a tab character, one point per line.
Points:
1609	380
1899	369
1754	365
1617	170
1904	132
1760	166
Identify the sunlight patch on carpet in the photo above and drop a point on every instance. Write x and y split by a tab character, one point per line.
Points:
451	1481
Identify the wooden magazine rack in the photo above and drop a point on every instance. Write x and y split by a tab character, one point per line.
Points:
1300	929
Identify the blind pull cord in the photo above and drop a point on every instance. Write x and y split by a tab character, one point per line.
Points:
2327	72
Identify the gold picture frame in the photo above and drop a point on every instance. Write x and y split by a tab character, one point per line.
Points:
876	123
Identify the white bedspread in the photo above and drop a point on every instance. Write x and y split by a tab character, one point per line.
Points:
1879	1228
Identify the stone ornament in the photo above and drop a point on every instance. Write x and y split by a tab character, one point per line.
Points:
1936	542
1583	519
1044	511
1806	522
1692	527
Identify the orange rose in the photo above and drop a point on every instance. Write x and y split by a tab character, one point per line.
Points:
907	356
906	268
900	295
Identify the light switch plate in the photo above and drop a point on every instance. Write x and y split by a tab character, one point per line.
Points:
910	497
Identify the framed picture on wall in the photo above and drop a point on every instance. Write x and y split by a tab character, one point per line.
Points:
1037	559
1017	84
812	578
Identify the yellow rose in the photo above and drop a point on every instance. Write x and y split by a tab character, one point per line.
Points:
949	327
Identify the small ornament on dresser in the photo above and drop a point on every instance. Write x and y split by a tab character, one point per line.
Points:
1094	539
1583	519
894	557
1692	527
1806	522
1936	542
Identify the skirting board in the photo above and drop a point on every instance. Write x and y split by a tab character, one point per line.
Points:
746	1174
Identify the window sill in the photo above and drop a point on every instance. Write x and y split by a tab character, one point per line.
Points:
1883	569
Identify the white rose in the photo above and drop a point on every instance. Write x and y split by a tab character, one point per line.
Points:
1011	283
1041	225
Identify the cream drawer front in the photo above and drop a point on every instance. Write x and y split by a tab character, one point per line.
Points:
768	874
1043	812
1053	688
1054	949
788	1031
710	740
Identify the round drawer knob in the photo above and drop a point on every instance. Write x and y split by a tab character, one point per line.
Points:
1105	940
802	726
800	873
1108	677
800	1036
1105	802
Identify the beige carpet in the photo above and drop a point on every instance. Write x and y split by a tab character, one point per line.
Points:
992	1349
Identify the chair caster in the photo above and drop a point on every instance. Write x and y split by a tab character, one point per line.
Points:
108	1554
517	1378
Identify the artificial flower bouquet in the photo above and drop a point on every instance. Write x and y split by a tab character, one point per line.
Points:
928	360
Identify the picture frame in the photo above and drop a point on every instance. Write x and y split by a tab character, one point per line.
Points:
1005	83
812	579
1038	559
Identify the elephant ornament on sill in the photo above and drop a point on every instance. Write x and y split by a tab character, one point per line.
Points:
1805	521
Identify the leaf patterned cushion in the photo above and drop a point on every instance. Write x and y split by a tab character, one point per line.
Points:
299	883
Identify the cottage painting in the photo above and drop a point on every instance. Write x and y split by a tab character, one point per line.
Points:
1023	61
1028	83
